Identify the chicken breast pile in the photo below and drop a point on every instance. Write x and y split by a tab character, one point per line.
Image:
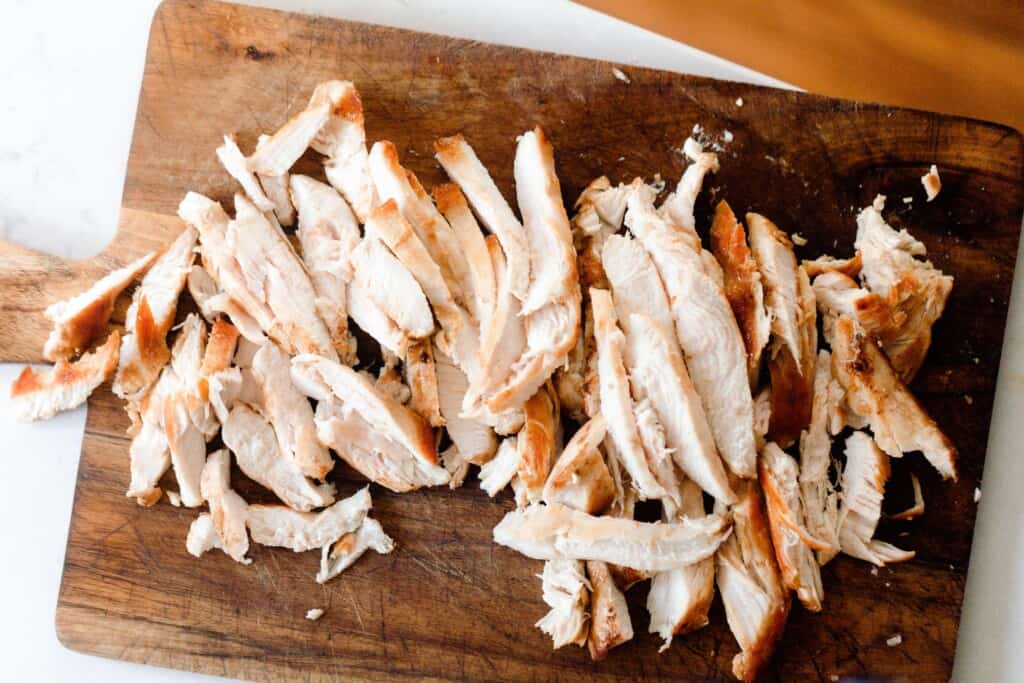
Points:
587	363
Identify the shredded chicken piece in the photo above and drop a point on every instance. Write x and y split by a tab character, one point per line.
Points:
314	614
393	288
202	536
790	302
342	554
580	477
321	379
794	547
932	183
144	349
234	162
549	532
756	605
288	411
616	400
917	509
743	286
610	625
680	598
275	187
849	267
863	483
41	395
915	290
567	592
463	166
328	233
421	376
371	451
372	319
678	207
455	465
228	511
497	473
474	439
874	391
82	319
393	182
479	287
635	282
283	527
820	500
537	440
256	450
705	327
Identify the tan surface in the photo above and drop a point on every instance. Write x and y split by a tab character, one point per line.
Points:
449	603
957	56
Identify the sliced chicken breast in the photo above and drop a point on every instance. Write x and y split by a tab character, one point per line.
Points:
820	499
678	207
850	267
342	554
228	511
863	482
479	287
41	395
874	391
275	187
82	319
234	162
580	477
610	625
635	283
538	440
498	472
474	439
393	288
743	287
706	330
567	592
421	376
144	349
283	527
373	320
328	234
550	532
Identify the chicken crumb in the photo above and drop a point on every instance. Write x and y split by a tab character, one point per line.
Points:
727	136
314	614
618	73
894	641
174	499
977	494
932	183
874	571
977	361
798	239
739	101
888	584
908	200
969	400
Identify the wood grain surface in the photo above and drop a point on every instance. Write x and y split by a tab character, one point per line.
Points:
449	604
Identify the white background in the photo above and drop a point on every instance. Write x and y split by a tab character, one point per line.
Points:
69	80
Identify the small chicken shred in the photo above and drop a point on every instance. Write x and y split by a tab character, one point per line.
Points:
421	377
498	472
820	499
342	554
283	527
537	441
610	625
566	591
580	477
228	511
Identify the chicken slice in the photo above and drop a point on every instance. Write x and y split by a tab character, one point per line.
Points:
393	182
186	420
372	319
474	440
320	378
850	267
915	289
610	625
680	598
794	547
820	500
567	592
328	234
550	532
616	400
706	330
743	287
455	465
635	283
421	376
252	440
678	206
289	412
228	511
393	288
863	483
387	224
498	472
275	187
234	162
212	302
370	451
343	141
658	375
480	288
280	151
756	605
282	527
580	477
538	440
40	396
342	554
874	391
82	319
463	166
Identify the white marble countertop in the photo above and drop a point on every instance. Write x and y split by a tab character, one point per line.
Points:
70	81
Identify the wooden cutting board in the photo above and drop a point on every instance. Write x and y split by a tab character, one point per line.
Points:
449	603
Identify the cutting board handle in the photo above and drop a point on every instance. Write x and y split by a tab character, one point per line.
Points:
31	280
